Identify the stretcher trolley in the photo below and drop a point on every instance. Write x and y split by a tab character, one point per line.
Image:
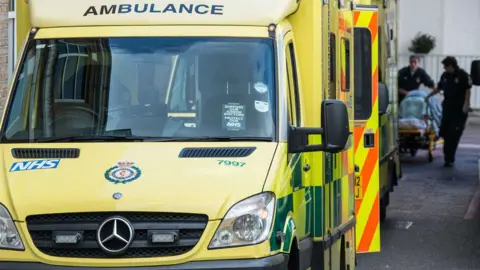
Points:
419	124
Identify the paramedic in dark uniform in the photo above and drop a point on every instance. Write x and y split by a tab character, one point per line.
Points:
456	85
410	78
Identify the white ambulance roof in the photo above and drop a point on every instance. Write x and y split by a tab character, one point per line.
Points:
64	13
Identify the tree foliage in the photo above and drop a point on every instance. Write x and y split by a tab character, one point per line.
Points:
422	43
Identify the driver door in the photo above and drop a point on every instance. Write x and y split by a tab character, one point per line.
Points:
302	200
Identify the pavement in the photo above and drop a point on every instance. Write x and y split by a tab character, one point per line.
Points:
433	221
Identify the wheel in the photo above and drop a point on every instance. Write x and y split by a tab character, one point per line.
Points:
392	175
343	255
383	212
293	260
384	202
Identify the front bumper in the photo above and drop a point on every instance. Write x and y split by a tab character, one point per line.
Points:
276	262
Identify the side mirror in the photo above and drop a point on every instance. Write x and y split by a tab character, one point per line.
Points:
475	72
335	130
383	99
336	125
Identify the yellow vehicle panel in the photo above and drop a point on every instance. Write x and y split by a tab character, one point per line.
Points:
152	191
59	13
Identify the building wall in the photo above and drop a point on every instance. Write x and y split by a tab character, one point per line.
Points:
420	16
454	23
461	27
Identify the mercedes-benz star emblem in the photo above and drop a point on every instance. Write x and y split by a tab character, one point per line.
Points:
115	235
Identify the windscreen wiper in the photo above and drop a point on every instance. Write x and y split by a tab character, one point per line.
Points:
215	139
123	138
93	138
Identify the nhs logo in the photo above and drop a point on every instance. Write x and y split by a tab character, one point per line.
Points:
34	165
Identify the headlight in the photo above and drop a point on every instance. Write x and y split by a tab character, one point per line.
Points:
246	223
9	236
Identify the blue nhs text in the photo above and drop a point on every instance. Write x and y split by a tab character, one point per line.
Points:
199	9
34	165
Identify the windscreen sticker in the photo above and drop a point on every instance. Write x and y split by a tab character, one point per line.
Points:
233	116
124	172
34	165
190	125
261	106
260	87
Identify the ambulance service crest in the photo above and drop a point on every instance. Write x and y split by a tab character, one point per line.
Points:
124	172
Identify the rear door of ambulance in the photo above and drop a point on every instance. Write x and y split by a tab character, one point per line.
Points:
366	133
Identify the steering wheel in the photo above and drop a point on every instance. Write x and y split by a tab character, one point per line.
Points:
75	118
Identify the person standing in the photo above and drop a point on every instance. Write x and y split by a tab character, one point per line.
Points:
456	85
411	77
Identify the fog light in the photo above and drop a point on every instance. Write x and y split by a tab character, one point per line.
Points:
67	237
163	237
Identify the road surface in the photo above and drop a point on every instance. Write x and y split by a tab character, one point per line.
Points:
433	221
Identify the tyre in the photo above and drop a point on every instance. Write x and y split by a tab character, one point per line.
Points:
384	202
293	260
383	212
343	255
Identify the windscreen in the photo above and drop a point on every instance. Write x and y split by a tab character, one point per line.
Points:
163	87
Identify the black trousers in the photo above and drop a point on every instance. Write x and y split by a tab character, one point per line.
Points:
451	130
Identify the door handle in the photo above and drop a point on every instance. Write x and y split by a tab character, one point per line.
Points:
306	168
308	195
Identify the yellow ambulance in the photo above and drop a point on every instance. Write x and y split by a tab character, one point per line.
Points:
180	135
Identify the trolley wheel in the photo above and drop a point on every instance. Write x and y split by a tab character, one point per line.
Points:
430	156
431	148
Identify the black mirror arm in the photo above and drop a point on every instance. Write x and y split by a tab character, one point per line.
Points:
298	142
309	131
314	148
334	148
